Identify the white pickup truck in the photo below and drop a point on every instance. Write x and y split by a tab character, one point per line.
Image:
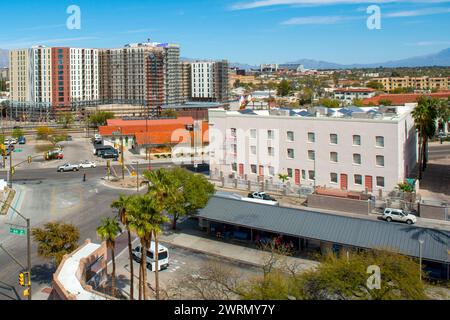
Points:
262	198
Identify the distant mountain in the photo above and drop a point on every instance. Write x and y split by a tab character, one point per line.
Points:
4	58
441	59
232	64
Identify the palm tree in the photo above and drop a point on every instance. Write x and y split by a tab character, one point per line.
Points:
162	190
443	113
108	231
121	204
425	115
139	212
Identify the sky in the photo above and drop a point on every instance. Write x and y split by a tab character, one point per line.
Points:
245	31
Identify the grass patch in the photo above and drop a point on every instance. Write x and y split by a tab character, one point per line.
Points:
5	207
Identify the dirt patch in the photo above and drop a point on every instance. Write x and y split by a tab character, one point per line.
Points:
128	183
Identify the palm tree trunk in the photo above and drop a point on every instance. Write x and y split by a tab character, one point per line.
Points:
113	255
419	165
157	266
130	253
140	281
144	269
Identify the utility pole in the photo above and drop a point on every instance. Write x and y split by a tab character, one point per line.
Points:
420	257
11	168
123	164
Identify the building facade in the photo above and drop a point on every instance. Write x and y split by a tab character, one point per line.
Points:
370	149
347	95
418	83
186	81
209	81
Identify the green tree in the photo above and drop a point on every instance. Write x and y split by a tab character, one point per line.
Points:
237	84
100	118
108	231
385	102
2	139
284	88
56	240
65	119
190	192
425	116
169	113
443	113
283	177
358	103
43	133
121	204
330	103
17	133
375	85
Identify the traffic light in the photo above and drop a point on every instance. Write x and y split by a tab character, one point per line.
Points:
22	279
13	171
108	164
26	292
30	159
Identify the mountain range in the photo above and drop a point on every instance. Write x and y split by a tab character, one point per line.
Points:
441	59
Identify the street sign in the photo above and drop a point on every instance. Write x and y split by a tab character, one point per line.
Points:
17	232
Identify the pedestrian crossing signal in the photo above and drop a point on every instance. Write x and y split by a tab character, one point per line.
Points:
26	292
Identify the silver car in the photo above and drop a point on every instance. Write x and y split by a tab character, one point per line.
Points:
68	167
398	215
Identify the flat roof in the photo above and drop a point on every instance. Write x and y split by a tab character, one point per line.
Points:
360	233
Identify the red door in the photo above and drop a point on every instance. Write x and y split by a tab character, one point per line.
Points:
261	171
344	181
369	183
241	170
297	176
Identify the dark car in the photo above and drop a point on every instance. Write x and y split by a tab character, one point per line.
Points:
69	138
22	140
108	154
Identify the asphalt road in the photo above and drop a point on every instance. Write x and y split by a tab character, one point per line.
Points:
439	151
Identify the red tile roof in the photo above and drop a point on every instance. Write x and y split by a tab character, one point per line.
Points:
401	99
128	123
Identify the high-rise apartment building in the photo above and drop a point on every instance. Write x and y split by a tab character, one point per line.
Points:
60	78
209	81
186	81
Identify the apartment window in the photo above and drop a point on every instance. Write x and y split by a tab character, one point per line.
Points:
271	171
380	182
290	153
290	136
271	151
253	133
311	175
380	142
253	168
333	156
358	179
233	132
334	177
333	138
253	150
380	161
311	137
304	174
234	167
311	155
356	140
290	173
356	158
270	134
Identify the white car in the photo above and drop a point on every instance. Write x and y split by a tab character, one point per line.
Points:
88	164
10	141
398	215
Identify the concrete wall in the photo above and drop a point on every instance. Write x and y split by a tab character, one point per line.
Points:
339	204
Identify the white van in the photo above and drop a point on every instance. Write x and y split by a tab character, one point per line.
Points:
163	256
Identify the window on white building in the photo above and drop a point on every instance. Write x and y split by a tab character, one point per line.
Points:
380	142
356	158
253	133
290	173
253	168
234	167
253	150
304	174
270	134
271	151
271	171
358	179
333	138
311	137
290	136
356	140
333	156
380	182
380	161
311	175
233	132
290	153
334	177
311	155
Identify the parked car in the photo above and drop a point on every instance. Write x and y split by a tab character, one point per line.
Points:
88	164
99	149
261	196
54	155
108	154
22	140
390	215
69	138
11	141
68	167
163	256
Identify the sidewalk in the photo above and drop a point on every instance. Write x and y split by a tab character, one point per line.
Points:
229	251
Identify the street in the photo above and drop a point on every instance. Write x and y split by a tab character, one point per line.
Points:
439	151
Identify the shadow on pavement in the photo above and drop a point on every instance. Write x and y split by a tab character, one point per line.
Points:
13	295
43	273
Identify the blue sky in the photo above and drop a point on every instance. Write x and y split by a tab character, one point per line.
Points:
247	31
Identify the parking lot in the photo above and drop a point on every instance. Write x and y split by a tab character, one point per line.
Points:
183	263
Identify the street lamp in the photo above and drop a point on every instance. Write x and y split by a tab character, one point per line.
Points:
137	174
421	241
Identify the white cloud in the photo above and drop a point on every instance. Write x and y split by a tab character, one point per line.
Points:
269	3
317	20
416	13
